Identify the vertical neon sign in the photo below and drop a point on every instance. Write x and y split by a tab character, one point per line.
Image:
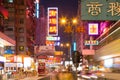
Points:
52	21
37	8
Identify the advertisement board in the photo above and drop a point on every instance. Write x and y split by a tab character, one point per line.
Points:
44	50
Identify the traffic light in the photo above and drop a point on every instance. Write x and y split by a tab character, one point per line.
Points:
77	57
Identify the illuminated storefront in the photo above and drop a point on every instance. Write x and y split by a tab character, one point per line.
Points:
4	41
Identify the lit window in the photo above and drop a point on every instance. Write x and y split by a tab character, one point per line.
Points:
21	39
11	1
21	30
21	48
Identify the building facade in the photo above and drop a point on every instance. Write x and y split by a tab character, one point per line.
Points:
20	24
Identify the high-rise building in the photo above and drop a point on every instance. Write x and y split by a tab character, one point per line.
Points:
23	24
20	24
41	28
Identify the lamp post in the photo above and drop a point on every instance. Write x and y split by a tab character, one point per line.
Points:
66	45
70	27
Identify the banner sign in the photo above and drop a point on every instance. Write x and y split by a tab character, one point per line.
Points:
52	21
100	9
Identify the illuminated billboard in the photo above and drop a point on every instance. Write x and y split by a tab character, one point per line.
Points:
93	28
9	49
91	42
53	38
52	21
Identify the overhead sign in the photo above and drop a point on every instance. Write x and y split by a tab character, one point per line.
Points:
52	43
93	28
53	21
44	49
91	42
53	38
100	9
88	52
58	53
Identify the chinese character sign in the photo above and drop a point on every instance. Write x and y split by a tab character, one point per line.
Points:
53	21
100	10
93	28
114	9
94	8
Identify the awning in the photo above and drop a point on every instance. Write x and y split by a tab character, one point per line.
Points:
6	41
4	12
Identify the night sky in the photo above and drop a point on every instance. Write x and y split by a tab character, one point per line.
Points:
65	7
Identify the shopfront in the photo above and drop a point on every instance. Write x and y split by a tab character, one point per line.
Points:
2	61
4	41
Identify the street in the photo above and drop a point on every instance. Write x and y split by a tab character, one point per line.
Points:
71	76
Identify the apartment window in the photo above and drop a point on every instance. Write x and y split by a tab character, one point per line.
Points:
20	2
9	29
11	19
21	21
21	48
21	11
21	30
21	39
10	1
11	9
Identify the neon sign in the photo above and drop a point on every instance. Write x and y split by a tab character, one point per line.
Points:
53	38
91	42
37	8
53	21
93	28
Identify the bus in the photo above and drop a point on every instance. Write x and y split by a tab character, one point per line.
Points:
41	68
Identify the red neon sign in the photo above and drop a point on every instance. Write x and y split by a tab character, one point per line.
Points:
53	21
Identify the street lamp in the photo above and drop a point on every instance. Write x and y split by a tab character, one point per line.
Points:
70	27
64	21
